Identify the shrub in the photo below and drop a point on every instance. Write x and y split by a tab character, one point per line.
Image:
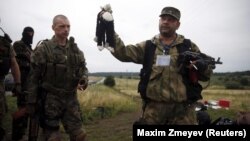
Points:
244	81
233	85
109	81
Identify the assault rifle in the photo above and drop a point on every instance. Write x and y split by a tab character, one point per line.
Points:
188	56
190	68
20	116
36	120
6	36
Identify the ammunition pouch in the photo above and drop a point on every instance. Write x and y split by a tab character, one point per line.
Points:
52	76
55	90
57	74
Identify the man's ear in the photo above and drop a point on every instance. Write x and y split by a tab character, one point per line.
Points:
179	23
53	27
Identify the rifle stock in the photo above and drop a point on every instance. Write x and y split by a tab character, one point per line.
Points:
33	127
35	118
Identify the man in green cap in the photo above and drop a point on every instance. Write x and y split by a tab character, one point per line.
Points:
164	87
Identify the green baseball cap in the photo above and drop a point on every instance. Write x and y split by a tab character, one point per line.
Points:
172	12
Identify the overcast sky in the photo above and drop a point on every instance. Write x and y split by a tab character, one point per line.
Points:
221	28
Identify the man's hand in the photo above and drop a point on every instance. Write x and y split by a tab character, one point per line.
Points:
19	113
201	65
83	84
17	89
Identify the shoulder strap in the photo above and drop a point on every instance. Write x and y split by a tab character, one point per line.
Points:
47	48
73	45
185	46
146	68
149	55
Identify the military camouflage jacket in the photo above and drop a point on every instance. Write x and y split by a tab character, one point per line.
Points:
56	69
165	82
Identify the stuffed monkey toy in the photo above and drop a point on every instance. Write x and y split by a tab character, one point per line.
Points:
105	29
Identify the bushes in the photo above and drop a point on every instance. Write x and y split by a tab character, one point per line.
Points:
244	81
230	81
109	81
233	85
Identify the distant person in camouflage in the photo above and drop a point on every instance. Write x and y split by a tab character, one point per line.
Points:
23	51
7	61
165	99
58	68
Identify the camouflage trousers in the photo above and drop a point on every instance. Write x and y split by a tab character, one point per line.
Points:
3	108
3	104
62	108
170	113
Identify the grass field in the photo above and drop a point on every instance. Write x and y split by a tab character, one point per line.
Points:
101	102
239	101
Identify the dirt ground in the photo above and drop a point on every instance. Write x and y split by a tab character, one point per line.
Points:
118	128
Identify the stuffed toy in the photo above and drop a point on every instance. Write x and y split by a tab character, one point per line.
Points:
105	29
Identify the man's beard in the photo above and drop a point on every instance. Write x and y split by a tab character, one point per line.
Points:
167	33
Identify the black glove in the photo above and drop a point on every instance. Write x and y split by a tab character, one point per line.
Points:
17	89
83	84
201	65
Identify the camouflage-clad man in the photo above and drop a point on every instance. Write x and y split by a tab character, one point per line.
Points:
7	61
166	99
58	68
23	51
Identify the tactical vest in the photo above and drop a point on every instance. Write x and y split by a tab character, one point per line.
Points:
23	54
5	57
64	67
148	62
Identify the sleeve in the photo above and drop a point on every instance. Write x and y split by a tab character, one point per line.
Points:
12	52
38	64
83	70
17	48
129	53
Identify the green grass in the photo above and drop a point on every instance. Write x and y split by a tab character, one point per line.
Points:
99	100
239	101
7	122
123	98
